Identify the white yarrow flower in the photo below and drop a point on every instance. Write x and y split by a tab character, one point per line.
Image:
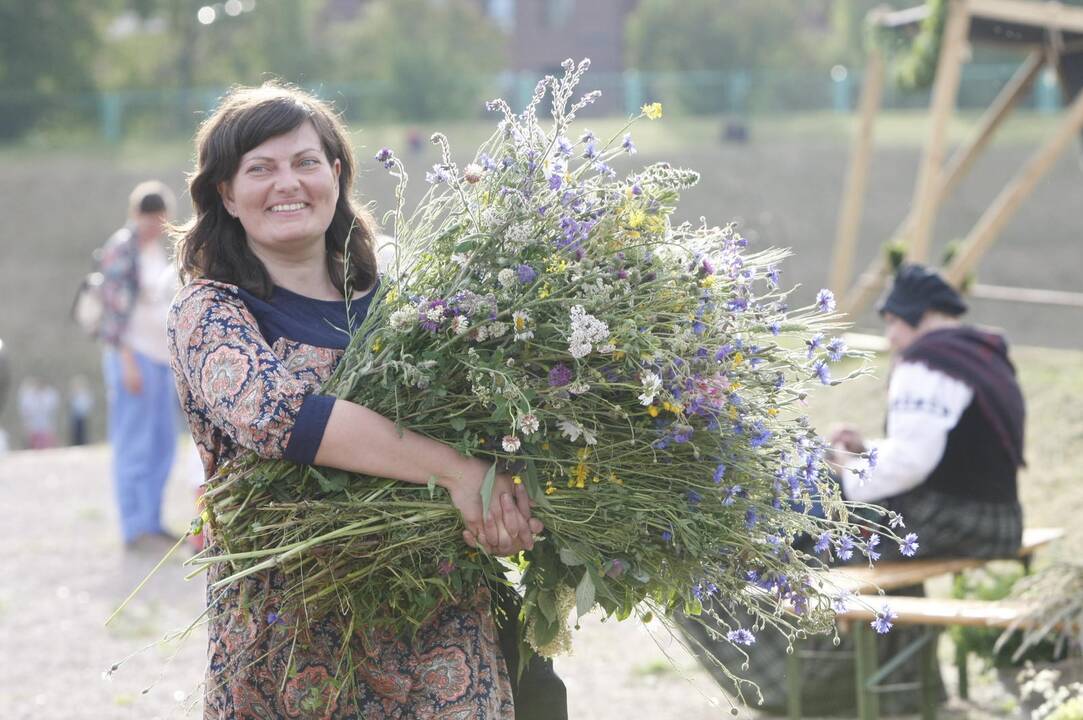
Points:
460	324
651	385
506	277
586	331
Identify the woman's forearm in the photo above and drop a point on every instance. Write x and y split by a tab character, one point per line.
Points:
362	441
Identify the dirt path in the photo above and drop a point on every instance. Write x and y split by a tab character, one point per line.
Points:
64	573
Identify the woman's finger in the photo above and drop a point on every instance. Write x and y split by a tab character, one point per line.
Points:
513	520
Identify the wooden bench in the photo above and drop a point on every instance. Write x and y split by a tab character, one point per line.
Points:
936	613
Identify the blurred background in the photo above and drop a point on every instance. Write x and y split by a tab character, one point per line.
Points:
759	96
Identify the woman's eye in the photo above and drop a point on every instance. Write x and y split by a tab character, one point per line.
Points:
309	162
257	169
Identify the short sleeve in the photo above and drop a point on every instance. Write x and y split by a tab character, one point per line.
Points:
229	376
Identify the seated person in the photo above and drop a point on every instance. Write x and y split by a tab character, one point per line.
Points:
948	466
954	427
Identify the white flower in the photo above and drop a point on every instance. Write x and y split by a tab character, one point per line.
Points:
473	172
435	313
511	443
520	318
573	430
506	277
518	236
607	348
481	333
404	318
586	330
578	387
497	329
493	217
651	385
529	423
460	259
459	324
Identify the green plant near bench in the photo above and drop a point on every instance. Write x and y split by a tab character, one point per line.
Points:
991	584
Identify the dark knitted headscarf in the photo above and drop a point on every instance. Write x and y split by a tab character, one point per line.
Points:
917	289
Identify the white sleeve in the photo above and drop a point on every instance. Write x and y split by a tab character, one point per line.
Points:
923	406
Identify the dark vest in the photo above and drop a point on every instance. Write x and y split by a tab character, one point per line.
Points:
985	448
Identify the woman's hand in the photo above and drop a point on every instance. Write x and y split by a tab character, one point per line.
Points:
508	528
130	376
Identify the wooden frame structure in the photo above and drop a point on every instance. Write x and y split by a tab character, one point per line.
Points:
1048	30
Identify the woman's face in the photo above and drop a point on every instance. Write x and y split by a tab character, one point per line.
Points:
899	333
284	193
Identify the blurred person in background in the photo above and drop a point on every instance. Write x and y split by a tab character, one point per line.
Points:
138	284
80	403
38	404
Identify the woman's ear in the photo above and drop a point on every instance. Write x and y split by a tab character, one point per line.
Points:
226	193
336	168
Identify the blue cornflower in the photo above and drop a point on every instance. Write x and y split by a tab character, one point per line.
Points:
814	344
526	274
564	147
751	518
883	620
694	498
589	150
825	301
486	162
732	494
740	636
773	275
555	181
775	328
761	435
667	536
719	473
823	543
895	520
845	548
836	349
636	189
839	602
628	145
874	457
821	370
723	352
699	327
437	175
909	546
870	547
587	136
274	618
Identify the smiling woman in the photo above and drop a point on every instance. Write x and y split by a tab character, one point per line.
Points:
260	326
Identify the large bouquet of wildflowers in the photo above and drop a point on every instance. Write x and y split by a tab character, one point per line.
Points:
644	379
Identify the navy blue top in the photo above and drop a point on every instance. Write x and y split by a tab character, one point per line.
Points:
319	323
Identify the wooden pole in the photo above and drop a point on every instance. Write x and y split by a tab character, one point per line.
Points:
1050	15
945	89
1027	295
1011	197
870	282
853	194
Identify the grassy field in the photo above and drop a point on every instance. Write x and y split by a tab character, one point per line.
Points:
62	198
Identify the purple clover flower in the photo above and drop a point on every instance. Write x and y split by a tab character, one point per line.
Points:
560	375
909	546
526	274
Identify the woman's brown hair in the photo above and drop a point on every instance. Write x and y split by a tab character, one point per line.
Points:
212	245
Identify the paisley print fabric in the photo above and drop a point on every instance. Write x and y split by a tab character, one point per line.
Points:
240	393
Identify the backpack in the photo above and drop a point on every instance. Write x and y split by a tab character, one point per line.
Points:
88	306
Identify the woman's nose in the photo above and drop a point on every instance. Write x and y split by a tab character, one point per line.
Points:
286	179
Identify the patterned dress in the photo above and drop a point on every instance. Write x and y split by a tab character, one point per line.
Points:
247	374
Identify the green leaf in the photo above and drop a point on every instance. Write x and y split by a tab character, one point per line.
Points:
458	424
548	605
487	489
466	245
584	595
569	558
544	631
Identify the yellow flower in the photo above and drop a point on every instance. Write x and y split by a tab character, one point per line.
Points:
549	490
653	111
545	445
614	479
636	218
652	411
543	291
376	345
707	281
772	411
738	358
517	479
